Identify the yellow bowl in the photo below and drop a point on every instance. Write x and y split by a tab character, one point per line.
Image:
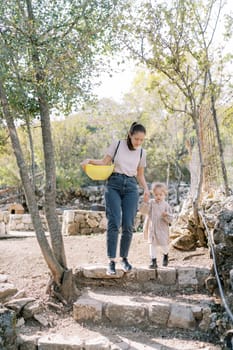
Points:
99	172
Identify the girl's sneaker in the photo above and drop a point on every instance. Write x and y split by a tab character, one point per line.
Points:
153	264
165	260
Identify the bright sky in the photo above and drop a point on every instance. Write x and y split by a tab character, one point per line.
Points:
119	84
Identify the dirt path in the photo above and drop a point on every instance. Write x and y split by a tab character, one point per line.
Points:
22	261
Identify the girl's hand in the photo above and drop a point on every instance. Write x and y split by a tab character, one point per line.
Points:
146	195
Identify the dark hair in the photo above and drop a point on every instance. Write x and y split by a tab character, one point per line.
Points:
135	127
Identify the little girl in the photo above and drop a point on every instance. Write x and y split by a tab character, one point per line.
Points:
156	225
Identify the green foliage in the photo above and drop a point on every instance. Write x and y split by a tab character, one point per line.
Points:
227	119
52	50
9	174
175	39
227	136
3	140
70	40
88	132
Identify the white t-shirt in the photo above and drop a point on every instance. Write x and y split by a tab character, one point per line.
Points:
126	161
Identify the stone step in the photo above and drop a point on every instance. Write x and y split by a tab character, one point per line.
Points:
112	339
167	278
142	310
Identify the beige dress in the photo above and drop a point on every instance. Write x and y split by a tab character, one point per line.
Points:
156	227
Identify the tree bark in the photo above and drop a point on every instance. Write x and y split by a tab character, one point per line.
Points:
54	266
197	194
32	153
50	188
220	146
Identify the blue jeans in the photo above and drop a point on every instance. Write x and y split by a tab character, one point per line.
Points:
121	199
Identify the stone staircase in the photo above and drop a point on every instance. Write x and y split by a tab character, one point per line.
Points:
163	302
161	297
163	309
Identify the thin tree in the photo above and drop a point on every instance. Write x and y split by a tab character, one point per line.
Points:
55	52
167	39
213	89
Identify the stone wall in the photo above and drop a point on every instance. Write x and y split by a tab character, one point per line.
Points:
74	222
23	222
19	222
4	222
84	222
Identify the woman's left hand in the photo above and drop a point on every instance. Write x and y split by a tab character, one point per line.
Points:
146	195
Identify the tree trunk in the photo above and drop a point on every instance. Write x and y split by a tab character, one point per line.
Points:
33	180
197	191
54	266
178	178
62	279
50	188
220	146
168	174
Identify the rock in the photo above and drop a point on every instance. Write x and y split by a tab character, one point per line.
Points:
93	271
86	309
223	231
202	274
133	314
18	304
41	319
145	275
187	277
31	309
73	229
231	279
97	207
27	342
20	322
3	278
159	313
186	242
20	294
167	276
206	319
228	339
181	316
98	343
7	329
202	240
7	290
211	284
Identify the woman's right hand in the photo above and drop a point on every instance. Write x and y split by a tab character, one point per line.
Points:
84	163
106	160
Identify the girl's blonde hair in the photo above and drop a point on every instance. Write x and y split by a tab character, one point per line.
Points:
159	185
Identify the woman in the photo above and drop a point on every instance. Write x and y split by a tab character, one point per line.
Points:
121	192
